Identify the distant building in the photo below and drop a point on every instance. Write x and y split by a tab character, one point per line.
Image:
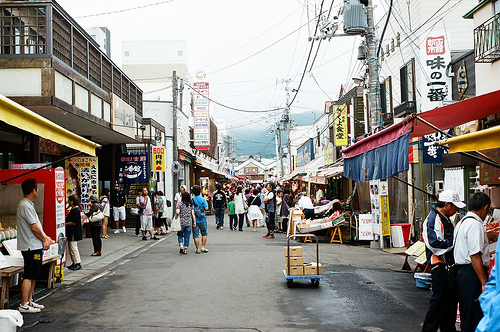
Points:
102	36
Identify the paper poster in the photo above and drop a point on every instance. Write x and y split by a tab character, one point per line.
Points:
385	218
82	179
365	226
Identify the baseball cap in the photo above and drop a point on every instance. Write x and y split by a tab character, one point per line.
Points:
451	197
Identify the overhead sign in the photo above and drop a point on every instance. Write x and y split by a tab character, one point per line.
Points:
158	158
340	125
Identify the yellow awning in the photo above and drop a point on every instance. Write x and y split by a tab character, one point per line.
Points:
479	140
19	116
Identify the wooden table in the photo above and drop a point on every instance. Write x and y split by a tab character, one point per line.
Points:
11	271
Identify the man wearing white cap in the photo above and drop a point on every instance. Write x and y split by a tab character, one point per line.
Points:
438	237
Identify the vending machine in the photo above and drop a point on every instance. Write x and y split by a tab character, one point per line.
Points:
50	204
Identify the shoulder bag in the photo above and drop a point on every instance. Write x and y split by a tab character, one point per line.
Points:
176	224
96	216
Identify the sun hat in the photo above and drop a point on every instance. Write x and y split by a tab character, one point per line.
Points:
451	196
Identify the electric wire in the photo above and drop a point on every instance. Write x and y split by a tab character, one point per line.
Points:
126	9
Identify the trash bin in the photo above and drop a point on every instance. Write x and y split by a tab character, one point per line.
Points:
406	231
10	320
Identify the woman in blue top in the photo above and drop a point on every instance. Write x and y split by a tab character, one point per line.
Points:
200	205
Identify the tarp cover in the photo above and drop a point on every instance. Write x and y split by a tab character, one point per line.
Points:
388	156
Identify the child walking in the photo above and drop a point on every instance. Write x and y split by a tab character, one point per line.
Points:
233	218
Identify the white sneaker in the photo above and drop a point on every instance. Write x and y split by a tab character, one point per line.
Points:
117	231
168	230
124	229
28	309
36	305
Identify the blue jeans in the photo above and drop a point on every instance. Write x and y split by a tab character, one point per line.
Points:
183	235
219	216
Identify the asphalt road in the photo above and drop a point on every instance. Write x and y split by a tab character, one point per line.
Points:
237	286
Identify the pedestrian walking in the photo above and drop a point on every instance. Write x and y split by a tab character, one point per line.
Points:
262	206
438	237
254	213
74	231
138	216
200	206
239	207
285	208
159	206
231	211
472	258
247	196
219	202
178	196
95	226
146	215
105	210
187	219
270	202
31	239
118	201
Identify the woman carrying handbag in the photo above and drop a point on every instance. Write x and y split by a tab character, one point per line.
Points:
187	219
95	222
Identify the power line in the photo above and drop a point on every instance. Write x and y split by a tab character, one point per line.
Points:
126	9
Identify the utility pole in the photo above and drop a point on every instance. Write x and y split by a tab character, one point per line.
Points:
175	154
374	92
285	125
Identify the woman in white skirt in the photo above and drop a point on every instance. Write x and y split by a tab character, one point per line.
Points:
254	213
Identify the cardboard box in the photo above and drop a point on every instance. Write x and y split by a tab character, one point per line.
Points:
294	251
294	270
294	261
312	268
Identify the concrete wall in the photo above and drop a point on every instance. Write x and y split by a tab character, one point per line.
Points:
21	82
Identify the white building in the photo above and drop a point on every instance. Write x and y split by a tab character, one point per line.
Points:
103	37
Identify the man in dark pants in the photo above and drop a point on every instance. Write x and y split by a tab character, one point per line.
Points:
138	217
220	203
438	237
472	258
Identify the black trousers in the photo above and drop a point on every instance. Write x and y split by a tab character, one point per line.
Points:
95	231
137	224
442	311
469	288
233	220
271	226
241	219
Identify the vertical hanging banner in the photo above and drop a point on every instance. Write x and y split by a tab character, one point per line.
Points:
158	158
435	55
201	106
340	125
385	218
82	179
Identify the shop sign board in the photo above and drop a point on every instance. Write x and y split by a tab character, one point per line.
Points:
123	117
385	218
134	167
305	153
375	205
82	179
201	111
435	55
340	125
365	226
432	152
158	158
454	180
251	170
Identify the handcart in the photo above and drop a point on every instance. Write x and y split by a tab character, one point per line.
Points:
313	277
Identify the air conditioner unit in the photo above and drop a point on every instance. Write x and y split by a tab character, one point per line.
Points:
438	187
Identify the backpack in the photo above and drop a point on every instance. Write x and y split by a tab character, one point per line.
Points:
198	211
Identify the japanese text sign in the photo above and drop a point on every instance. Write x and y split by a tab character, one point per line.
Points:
340	125
158	158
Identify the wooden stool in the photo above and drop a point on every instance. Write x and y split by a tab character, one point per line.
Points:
332	232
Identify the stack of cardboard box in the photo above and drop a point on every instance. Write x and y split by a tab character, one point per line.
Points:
294	263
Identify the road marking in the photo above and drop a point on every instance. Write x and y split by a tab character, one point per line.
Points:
99	276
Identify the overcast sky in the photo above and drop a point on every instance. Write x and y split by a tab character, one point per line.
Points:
246	48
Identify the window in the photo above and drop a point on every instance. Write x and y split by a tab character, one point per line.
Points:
180	53
407	79
127	53
23	30
386	96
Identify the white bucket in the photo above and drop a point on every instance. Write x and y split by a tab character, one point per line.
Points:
10	320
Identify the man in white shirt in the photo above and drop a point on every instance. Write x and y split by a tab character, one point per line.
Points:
320	195
472	258
306	205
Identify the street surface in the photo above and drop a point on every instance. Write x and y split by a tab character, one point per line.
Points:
237	286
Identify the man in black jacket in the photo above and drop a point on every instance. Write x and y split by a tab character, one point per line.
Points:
220	202
118	201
